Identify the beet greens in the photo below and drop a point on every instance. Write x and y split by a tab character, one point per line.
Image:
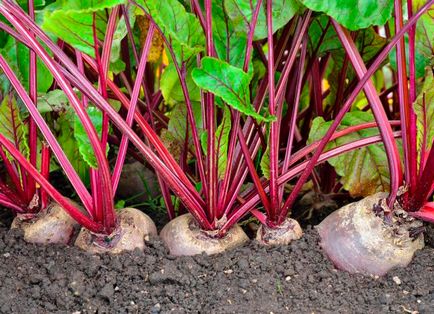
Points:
237	105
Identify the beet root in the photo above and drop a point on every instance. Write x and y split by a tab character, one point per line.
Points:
282	235
50	225
182	236
358	240
135	227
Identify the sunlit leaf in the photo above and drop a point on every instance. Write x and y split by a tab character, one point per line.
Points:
354	14
228	82
170	85
84	146
230	44
182	29
241	13
72	21
265	163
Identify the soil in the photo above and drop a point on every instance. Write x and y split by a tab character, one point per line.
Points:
251	279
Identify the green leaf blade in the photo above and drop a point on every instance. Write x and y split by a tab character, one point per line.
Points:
84	145
12	126
241	13
363	171
354	14
228	82
182	29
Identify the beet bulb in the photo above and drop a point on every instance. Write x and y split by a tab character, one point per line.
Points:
135	227
182	236
51	225
288	231
358	240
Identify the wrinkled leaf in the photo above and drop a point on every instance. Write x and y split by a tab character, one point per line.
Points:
230	45
221	140
12	126
424	38
424	42
72	22
54	100
157	46
84	146
170	85
228	82
174	136
241	13
354	14
424	110
182	29
69	144
265	163
363	171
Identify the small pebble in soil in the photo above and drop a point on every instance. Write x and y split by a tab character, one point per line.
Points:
396	280
156	308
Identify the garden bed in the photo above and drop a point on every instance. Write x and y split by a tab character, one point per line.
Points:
250	279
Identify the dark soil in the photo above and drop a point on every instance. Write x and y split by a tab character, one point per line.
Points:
251	279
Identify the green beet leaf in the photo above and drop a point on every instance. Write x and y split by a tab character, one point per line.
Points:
241	13
424	42
354	14
182	29
69	144
12	126
265	163
363	171
424	110
53	101
230	44
170	85
72	22
228	82
18	56
84	146
221	140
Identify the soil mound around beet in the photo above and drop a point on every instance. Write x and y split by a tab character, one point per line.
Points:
250	279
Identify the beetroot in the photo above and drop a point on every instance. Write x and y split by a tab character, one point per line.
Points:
182	236
358	240
134	229
50	225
